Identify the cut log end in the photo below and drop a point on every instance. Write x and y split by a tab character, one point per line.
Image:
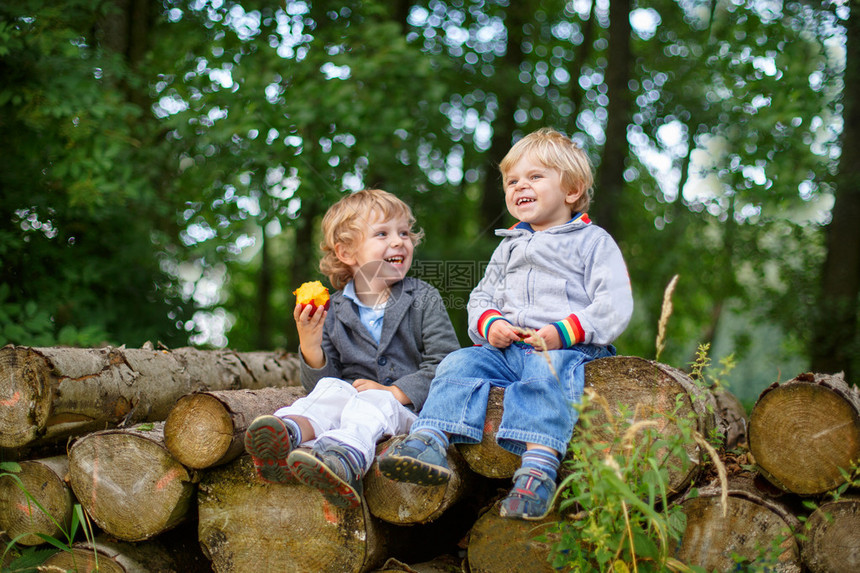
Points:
804	433
502	544
248	525
404	503
129	483
198	431
25	396
629	389
22	517
832	541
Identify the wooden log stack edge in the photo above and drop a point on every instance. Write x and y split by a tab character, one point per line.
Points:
243	524
48	394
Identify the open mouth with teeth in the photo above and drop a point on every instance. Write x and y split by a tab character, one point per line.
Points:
524	200
394	260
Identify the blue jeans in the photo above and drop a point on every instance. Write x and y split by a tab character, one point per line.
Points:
539	407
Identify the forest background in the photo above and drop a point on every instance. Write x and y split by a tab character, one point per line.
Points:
165	164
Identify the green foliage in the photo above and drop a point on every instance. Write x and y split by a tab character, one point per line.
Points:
616	494
701	371
80	205
145	176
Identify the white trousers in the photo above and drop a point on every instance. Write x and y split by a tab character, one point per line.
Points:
359	419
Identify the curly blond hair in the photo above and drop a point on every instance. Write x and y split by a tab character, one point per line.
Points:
553	149
346	222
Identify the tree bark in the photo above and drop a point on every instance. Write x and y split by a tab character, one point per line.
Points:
51	393
832	541
503	545
733	419
403	503
129	483
629	387
206	429
753	523
44	480
804	431
248	525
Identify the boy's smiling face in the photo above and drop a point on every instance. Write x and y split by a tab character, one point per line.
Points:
534	194
382	256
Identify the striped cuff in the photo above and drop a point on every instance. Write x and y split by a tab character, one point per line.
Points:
486	320
570	331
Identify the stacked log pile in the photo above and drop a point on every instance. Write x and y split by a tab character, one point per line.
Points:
157	453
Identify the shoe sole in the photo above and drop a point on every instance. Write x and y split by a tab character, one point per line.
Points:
312	472
517	515
412	470
268	442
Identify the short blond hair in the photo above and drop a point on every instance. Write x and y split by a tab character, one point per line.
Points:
346	222
555	150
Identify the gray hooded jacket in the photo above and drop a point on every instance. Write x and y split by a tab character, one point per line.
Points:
572	271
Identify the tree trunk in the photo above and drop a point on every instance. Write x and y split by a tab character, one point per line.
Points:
835	344
488	458
733	419
403	503
129	483
248	525
610	185
756	527
832	541
263	293
503	545
206	429
52	393
507	90
629	387
44	480
304	242
804	431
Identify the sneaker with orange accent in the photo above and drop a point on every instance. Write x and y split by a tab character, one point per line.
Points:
329	471
269	443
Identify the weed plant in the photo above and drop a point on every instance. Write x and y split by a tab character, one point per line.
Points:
615	501
28	559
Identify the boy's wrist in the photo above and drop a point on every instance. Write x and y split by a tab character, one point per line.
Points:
399	395
486	320
314	357
569	331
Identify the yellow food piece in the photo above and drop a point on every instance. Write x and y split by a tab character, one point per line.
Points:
312	292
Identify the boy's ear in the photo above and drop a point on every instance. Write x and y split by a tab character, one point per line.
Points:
344	254
573	196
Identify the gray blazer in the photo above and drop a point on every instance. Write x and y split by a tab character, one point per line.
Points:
416	335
